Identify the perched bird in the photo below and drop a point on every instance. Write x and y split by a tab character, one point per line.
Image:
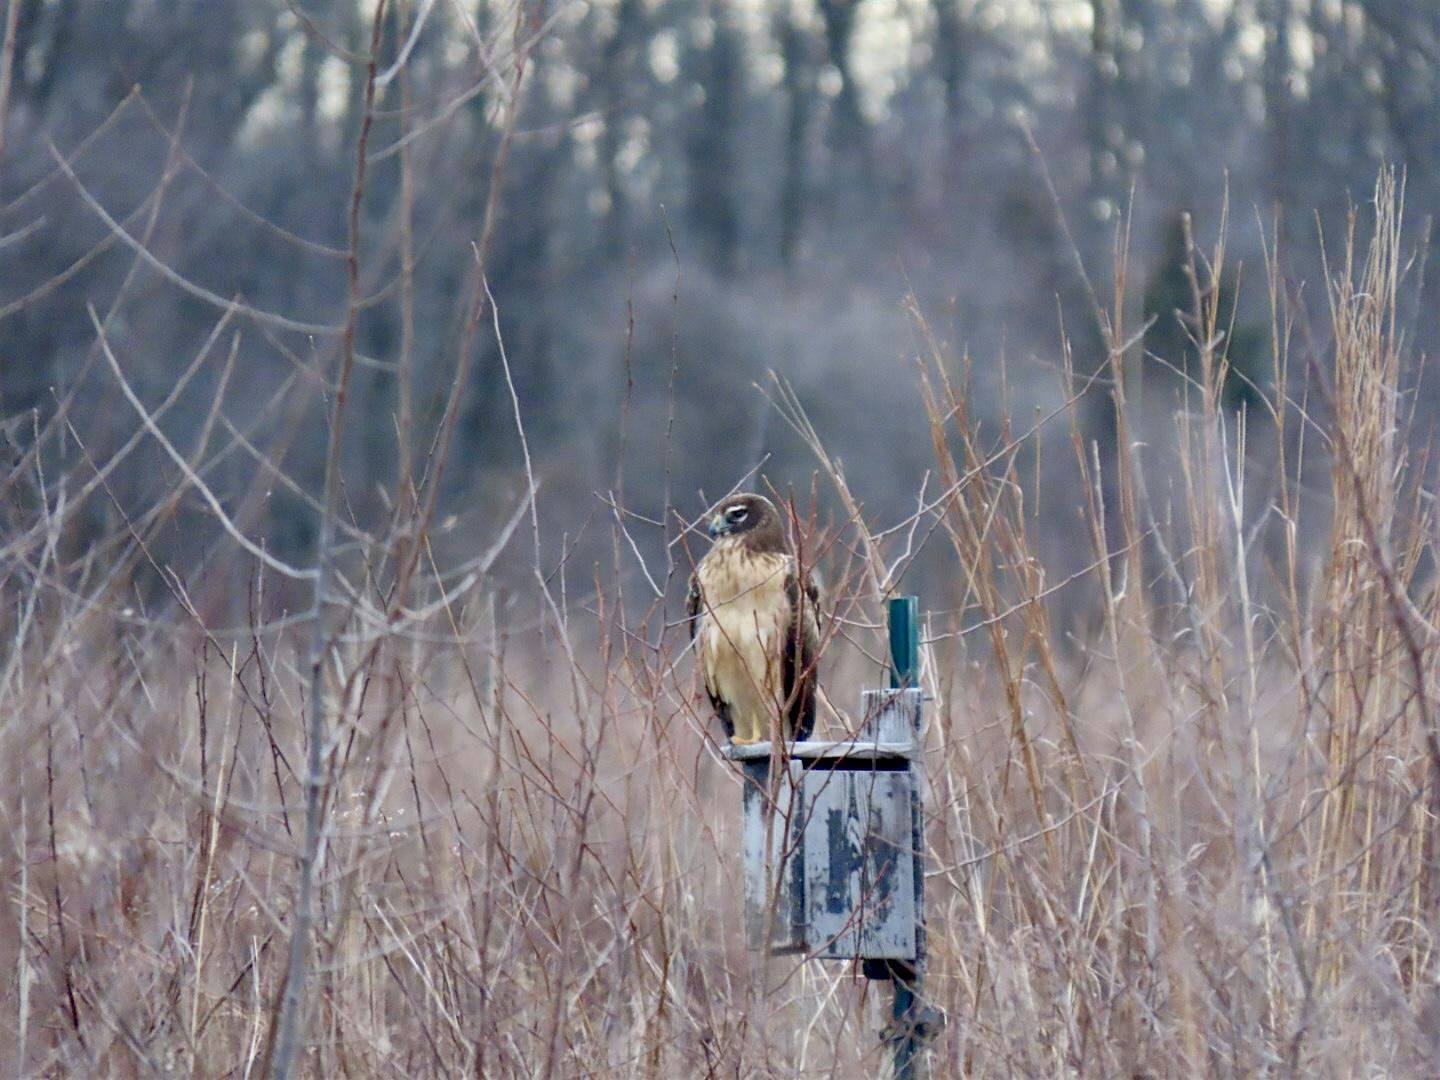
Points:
754	615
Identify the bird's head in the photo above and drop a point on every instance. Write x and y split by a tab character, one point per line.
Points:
752	517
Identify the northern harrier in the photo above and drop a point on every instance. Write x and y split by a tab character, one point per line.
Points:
754	615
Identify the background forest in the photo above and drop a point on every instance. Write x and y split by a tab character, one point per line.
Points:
366	364
696	193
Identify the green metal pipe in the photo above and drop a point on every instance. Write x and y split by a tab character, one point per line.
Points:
904	622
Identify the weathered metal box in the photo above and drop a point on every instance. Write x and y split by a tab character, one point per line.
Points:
833	840
859	871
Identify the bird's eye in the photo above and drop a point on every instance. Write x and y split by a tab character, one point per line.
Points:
736	514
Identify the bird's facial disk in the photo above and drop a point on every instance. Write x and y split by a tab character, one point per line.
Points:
731	518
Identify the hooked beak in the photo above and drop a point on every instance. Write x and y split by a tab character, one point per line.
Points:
717	526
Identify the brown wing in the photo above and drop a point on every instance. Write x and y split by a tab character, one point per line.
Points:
694	609
692	606
800	660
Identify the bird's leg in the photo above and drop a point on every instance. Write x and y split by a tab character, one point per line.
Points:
740	736
752	729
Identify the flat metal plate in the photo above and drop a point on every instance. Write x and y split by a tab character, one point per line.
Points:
858	749
859	881
890	729
893	715
774	882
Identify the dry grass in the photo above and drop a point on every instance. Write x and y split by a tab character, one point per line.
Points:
1191	837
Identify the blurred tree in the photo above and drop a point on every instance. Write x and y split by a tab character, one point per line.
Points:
711	148
799	88
761	130
615	83
849	134
1277	17
951	59
1101	115
1407	35
1171	355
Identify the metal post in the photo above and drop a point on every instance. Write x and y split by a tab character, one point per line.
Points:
904	624
905	1025
904	1030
